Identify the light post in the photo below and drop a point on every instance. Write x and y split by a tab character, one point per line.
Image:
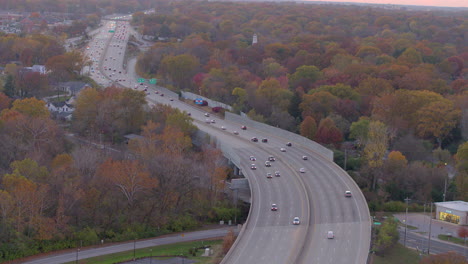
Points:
406	219
134	249
151	256
430	229
77	251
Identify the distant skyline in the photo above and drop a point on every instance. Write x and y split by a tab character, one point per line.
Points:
439	3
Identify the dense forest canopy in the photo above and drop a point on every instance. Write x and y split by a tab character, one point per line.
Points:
386	88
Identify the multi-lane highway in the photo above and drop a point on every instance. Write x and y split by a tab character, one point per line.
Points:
315	196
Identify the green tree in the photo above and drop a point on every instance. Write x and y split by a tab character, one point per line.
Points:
31	107
179	69
305	76
359	130
375	148
9	87
387	236
461	179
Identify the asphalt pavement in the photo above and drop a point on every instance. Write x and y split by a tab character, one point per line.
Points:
63	257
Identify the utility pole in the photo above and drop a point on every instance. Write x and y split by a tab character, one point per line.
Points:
134	249
345	158
406	219
430	228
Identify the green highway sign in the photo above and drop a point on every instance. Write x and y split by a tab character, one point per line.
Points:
152	81
377	223
141	80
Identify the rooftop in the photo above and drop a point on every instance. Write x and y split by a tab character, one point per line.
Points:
455	205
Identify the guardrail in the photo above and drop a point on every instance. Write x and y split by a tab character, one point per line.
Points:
326	153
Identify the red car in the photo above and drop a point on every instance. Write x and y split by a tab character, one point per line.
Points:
243	127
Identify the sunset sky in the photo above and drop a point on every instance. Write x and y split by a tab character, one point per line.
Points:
447	3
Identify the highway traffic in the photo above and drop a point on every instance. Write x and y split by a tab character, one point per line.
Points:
316	195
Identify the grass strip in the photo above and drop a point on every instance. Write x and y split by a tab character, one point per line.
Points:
168	251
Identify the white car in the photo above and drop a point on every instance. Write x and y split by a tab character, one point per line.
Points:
330	235
296	221
267	164
282	149
207	114
235	133
305	158
347	194
253	166
302	170
223	127
277	173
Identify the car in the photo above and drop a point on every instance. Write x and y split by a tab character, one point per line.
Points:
282	149
207	114
213	121
189	114
265	140
235	133
253	166
274	207
268	175
161	94
347	194
277	173
296	221
302	170
243	127
289	144
305	158
252	158
271	158
267	164
223	127
172	99
254	139
330	235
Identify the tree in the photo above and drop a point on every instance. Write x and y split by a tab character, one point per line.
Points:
308	128
317	105
375	148
328	133
359	130
9	86
444	258
387	236
375	87
463	233
275	95
305	76
432	125
4	101
130	178
180	69
461	179
31	107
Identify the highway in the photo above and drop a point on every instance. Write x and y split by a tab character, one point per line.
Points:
315	196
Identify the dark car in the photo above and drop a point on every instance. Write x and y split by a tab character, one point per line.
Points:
271	158
265	140
254	139
243	127
288	144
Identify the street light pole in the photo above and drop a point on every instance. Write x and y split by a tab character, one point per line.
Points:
406	219
134	248
77	251
430	228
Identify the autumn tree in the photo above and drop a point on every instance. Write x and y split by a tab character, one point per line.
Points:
444	258
317	105
66	66
179	69
328	133
431	124
375	147
31	107
129	177
308	128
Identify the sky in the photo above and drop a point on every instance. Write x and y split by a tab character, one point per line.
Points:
441	3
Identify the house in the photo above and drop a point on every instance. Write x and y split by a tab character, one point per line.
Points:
60	107
73	88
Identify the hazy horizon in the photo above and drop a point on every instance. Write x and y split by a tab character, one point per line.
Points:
438	3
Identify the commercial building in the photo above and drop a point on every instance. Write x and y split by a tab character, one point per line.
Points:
454	212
